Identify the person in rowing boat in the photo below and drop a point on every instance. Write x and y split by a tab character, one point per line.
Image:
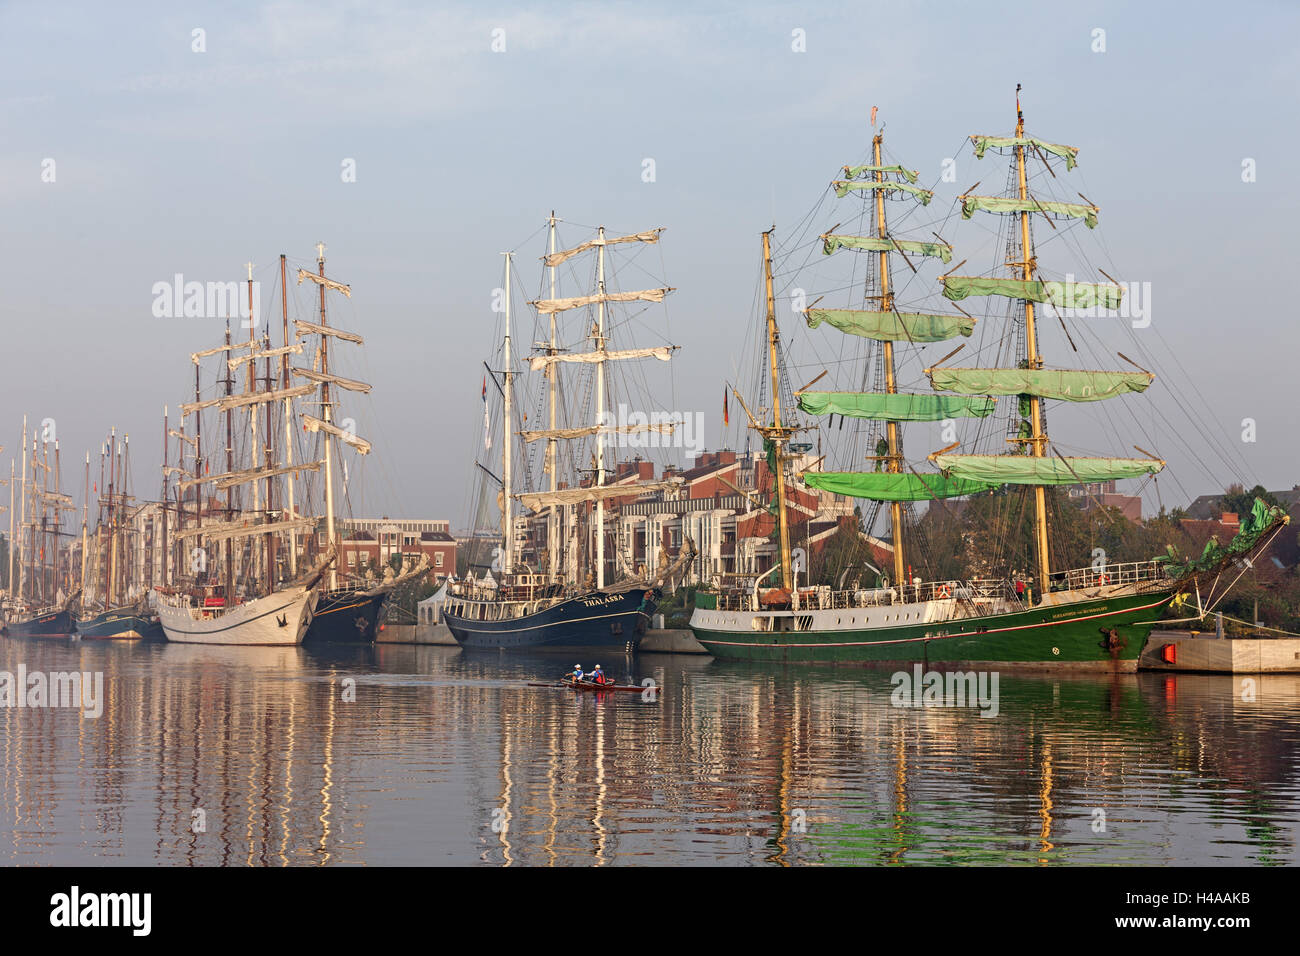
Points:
597	676
575	676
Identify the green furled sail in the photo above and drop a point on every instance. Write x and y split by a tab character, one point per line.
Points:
853	172
1025	470
1262	517
916	246
1074	210
896	407
982	143
1067	385
885	486
893	326
842	189
1063	295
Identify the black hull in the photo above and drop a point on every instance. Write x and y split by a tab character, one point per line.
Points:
346	617
592	620
53	624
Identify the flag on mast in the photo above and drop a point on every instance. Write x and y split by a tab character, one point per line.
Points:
726	415
487	425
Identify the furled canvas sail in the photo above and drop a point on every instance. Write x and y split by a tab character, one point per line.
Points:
317	425
842	188
939	250
555	258
231	479
310	328
896	407
1027	470
1064	295
883	486
853	172
327	283
1066	385
663	428
261	398
546	306
893	326
661	352
1073	210
351	384
295	349
221	530
983	143
570	496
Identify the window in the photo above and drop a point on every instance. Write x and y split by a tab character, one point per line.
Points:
437	560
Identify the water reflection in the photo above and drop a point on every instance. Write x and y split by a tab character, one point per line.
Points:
427	755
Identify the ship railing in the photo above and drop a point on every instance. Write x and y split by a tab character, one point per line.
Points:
826	598
1111	575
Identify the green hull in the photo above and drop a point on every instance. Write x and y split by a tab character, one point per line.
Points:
1070	637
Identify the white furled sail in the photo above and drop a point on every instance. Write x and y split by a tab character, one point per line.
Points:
311	328
352	385
313	424
663	428
570	496
555	258
327	283
546	306
661	352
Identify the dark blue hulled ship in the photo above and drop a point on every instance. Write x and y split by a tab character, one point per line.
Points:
51	623
347	615
121	624
592	619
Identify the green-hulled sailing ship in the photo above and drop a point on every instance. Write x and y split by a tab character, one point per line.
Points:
1095	616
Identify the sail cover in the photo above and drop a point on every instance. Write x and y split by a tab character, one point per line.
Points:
1073	210
842	189
896	407
893	326
884	486
939	250
983	143
1026	470
1063	295
1062	384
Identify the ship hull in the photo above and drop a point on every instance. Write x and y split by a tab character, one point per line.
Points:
1059	636
346	616
280	618
593	620
123	624
52	624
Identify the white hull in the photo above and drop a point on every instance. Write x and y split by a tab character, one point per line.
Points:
279	618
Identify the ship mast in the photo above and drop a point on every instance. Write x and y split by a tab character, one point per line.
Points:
600	409
1038	436
777	434
552	377
327	416
288	419
895	464
507	504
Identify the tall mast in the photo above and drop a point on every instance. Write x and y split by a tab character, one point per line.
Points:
22	507
777	431
1038	437
288	416
164	546
891	386
327	417
85	510
600	411
230	466
552	463
11	551
507	510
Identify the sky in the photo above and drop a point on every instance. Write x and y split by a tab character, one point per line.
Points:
176	152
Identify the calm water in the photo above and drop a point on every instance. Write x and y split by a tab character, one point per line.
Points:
444	758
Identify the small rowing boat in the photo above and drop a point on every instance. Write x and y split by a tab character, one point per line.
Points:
588	685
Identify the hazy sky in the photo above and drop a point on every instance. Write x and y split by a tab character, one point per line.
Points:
173	161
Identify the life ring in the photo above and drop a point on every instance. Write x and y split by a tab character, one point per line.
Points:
1103	578
944	592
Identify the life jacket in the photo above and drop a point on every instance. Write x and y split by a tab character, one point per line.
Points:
598	676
